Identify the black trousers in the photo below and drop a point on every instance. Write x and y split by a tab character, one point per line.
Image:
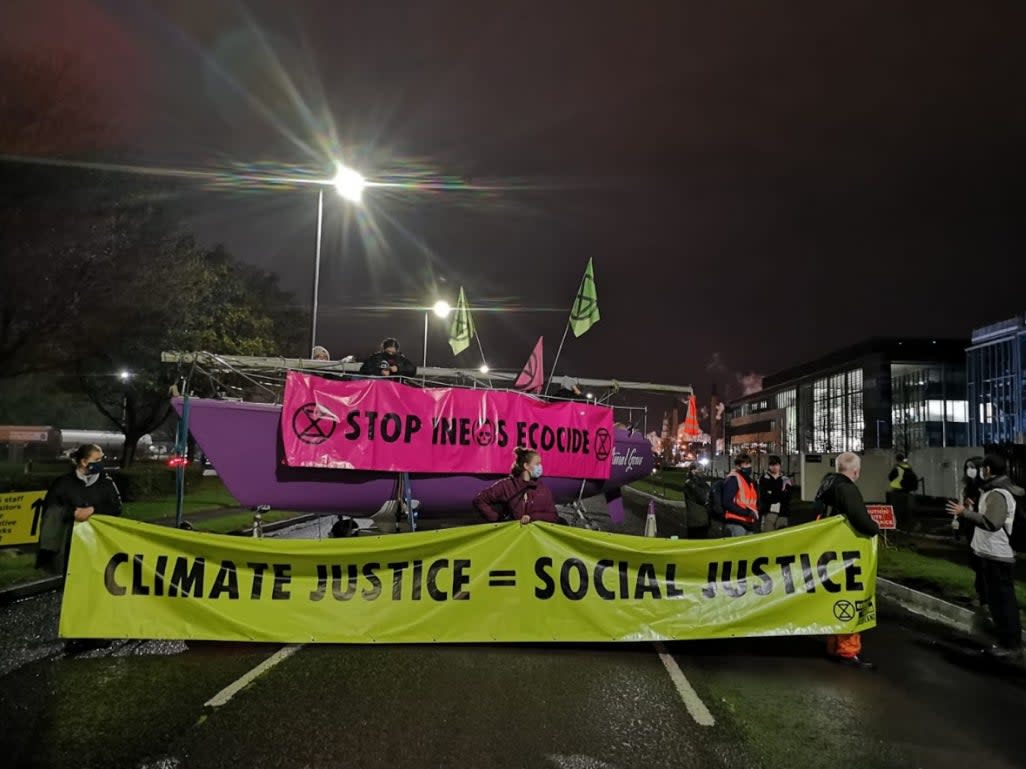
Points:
999	579
976	564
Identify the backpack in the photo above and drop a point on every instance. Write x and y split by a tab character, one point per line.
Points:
910	481
821	505
1017	539
715	503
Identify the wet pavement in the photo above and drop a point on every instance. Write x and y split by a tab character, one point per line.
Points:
775	702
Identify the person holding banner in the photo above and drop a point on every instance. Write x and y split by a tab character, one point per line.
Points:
522	496
838	495
85	491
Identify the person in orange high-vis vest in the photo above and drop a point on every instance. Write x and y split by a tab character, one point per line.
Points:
740	500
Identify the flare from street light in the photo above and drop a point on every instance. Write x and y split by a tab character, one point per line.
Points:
349	184
484	368
442	308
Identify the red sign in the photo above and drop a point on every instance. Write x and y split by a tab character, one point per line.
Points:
883	515
386	426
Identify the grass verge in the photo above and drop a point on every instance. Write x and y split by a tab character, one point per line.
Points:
209	495
935	576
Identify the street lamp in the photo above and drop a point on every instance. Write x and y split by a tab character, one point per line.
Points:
349	184
484	368
441	309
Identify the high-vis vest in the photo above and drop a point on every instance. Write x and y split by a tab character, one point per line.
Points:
896	483
747	498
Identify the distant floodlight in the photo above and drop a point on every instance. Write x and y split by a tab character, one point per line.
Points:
125	375
484	368
349	184
442	308
704	461
590	396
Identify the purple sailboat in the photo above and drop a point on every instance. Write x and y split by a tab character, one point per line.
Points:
243	442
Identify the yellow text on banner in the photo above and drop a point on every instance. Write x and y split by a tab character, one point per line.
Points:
497	582
21	514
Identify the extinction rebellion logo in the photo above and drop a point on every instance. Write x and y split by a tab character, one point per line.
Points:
846	611
313	424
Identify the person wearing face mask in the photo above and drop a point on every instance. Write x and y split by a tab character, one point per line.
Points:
522	496
86	491
389	362
992	545
740	499
971	492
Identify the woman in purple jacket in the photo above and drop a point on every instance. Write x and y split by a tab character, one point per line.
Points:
522	496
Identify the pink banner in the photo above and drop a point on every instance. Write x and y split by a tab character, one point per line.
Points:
383	425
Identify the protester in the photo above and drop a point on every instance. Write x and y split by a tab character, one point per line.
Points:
965	528
902	476
570	390
774	497
320	353
696	497
903	483
740	499
389	362
838	495
523	496
86	491
992	546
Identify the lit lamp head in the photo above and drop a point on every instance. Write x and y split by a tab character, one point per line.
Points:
349	184
442	309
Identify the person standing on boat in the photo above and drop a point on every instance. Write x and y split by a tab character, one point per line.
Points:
389	362
522	496
320	353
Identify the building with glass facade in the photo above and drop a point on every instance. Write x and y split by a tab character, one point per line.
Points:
884	393
996	385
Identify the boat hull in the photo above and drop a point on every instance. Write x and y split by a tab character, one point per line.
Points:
243	441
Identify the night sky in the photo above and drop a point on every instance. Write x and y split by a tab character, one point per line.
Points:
757	184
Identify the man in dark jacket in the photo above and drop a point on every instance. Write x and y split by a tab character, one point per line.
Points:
389	362
838	495
696	496
774	497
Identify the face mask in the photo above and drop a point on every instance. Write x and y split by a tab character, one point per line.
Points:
94	468
970	473
746	472
536	472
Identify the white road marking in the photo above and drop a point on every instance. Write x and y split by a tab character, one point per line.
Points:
223	696
692	701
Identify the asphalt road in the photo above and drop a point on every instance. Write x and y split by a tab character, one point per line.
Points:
773	703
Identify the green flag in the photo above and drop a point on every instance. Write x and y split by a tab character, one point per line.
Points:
585	312
461	331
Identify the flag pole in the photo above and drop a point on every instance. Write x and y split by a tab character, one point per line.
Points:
552	375
484	360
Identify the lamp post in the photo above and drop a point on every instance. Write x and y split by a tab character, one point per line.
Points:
349	185
441	309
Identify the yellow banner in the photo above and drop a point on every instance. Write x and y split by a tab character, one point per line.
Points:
496	582
21	514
